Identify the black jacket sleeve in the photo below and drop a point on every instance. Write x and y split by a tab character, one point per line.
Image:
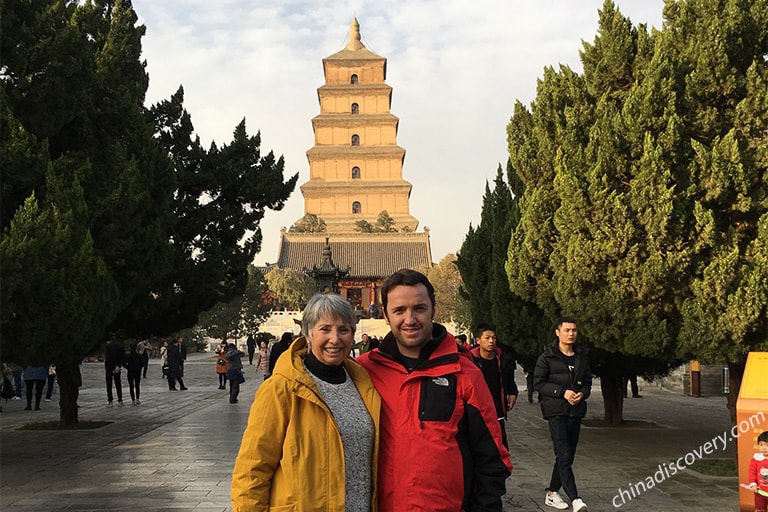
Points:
489	473
508	375
541	380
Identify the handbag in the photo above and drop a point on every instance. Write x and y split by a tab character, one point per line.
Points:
240	376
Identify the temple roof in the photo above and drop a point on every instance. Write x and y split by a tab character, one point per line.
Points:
368	255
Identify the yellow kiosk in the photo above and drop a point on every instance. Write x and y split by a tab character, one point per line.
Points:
751	419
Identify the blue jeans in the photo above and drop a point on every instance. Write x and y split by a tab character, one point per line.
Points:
564	431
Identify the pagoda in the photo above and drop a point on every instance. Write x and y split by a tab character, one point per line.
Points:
355	174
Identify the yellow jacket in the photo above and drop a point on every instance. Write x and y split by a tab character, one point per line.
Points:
291	457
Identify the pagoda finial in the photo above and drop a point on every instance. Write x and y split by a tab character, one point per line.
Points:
354	36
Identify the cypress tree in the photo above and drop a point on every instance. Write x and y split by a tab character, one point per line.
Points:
645	189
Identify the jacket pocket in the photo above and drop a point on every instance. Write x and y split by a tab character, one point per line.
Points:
438	398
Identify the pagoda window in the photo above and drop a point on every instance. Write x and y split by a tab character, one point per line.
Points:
353	79
356	208
355	140
355	173
355	108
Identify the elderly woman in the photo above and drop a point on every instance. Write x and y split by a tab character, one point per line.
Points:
312	437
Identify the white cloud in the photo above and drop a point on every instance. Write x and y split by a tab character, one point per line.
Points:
456	68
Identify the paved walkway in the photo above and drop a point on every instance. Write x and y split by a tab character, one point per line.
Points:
175	451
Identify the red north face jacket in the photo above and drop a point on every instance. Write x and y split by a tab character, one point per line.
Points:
440	447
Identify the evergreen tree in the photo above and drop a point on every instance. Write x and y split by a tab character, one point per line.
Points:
485	283
626	208
721	76
363	226
140	232
221	198
384	224
309	223
73	81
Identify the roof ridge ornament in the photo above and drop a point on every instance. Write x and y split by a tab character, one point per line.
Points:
354	36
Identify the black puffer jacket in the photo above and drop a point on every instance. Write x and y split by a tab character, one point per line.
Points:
552	378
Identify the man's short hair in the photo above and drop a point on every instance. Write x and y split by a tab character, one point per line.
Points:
482	327
330	303
406	277
565	320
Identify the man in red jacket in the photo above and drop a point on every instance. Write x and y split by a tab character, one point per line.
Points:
440	446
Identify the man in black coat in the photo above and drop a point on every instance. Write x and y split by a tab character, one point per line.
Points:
114	356
251	344
564	382
176	365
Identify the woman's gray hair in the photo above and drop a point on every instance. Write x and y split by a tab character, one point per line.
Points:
333	304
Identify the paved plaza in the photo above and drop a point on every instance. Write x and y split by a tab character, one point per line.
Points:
175	451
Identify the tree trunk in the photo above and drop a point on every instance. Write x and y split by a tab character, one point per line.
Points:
612	387
735	374
69	378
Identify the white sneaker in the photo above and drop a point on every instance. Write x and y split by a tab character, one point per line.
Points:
138	401
579	505
554	500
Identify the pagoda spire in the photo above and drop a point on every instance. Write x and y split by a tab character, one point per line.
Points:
354	36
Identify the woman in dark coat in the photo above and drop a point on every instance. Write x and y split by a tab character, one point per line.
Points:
234	370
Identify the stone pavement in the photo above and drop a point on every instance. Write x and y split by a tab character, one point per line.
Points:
175	451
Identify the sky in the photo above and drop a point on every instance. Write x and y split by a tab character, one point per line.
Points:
456	67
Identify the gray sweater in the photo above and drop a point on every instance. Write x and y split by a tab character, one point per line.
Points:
356	430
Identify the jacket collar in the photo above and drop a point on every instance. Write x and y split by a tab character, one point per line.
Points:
553	349
475	351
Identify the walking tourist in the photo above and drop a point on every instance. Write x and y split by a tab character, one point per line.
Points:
114	355
498	369
175	365
134	364
262	359
234	358
564	382
221	364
